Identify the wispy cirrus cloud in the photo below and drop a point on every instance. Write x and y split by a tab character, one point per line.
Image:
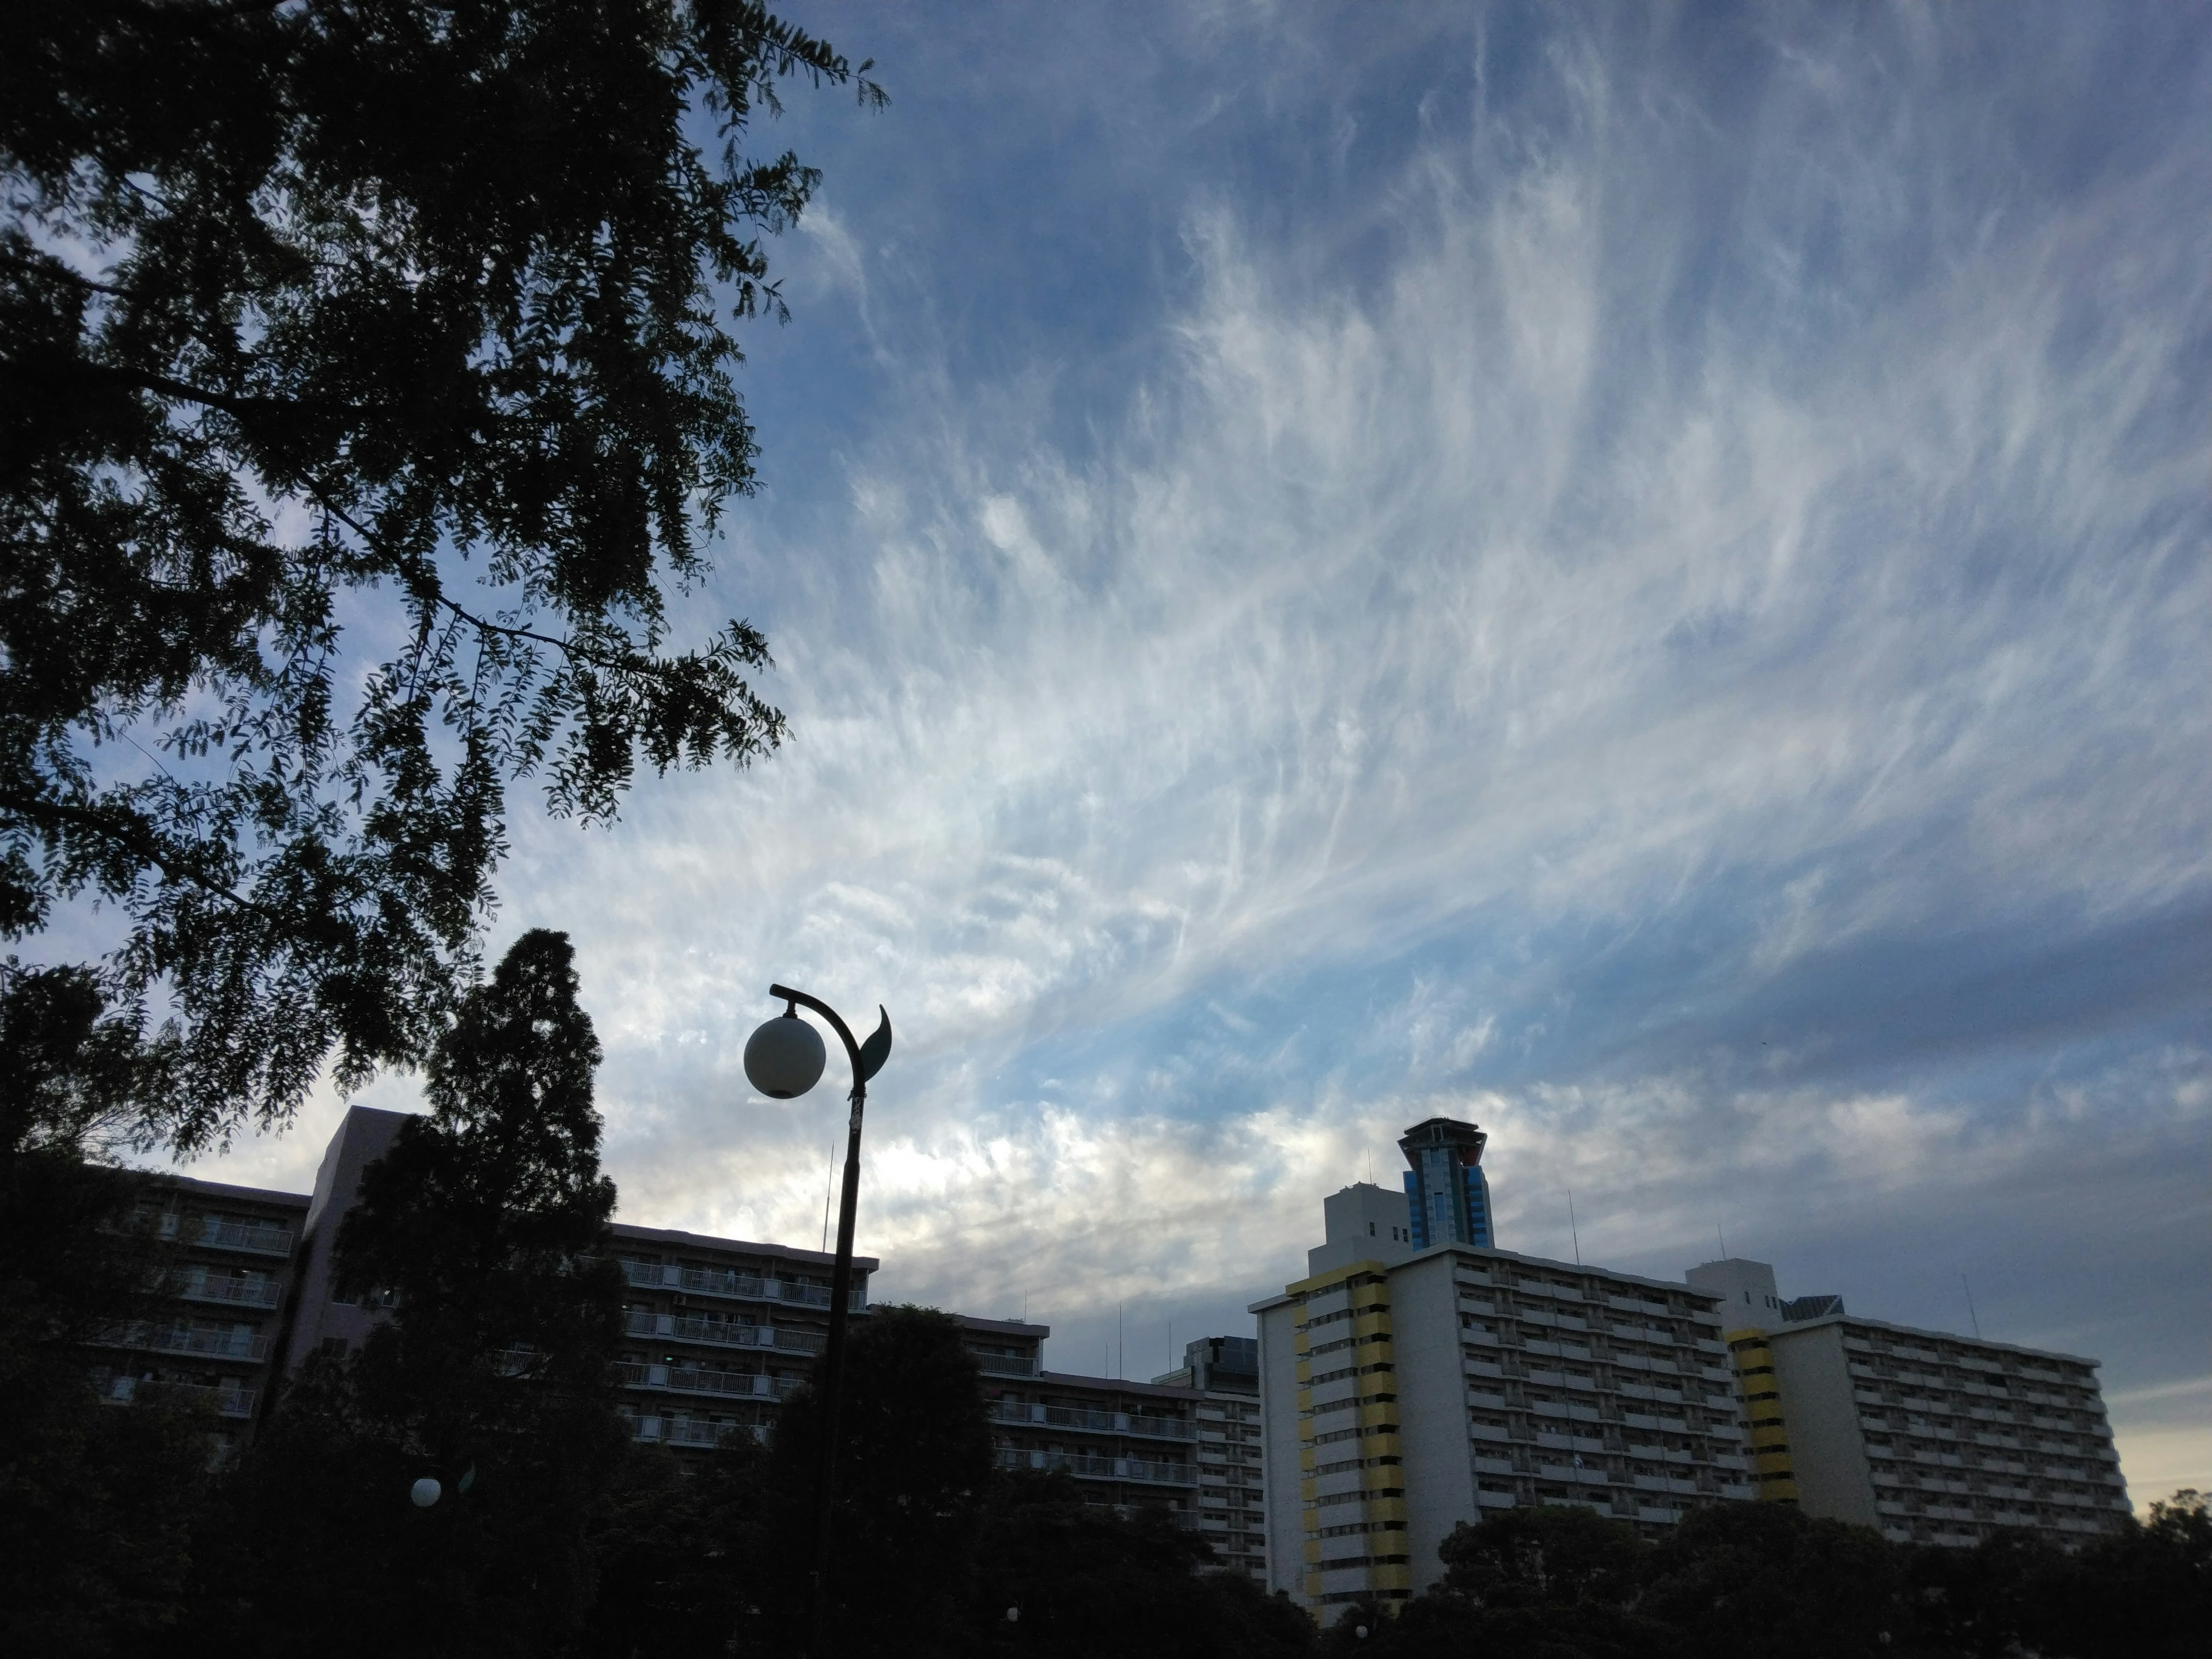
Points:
1643	584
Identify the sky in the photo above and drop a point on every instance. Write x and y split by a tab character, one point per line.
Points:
1636	575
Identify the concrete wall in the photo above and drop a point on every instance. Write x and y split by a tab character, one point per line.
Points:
1827	1452
1748	1298
365	1135
1439	1469
1278	1427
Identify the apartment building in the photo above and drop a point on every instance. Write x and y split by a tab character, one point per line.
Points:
1232	1505
1406	1389
1930	1437
717	1332
1125	1444
216	1331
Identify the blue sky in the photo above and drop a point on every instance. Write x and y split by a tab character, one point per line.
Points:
1638	576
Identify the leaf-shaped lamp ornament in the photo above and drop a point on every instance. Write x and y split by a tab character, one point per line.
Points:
877	1049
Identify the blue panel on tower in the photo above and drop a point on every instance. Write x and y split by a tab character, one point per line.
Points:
1478	1209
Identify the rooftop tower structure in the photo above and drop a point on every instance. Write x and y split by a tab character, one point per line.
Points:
1447	1196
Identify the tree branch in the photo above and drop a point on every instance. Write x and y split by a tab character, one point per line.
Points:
128	833
435	595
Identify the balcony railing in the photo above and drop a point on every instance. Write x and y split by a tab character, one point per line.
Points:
201	1285
695	1379
689	1431
1090	1422
1098	1468
1004	1365
721	1333
201	1341
230	1403
260	1237
727	1281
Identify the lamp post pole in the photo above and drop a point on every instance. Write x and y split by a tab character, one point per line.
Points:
866	1060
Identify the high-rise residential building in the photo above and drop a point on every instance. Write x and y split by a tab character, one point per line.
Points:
1406	1390
1126	1445
1447	1194
1931	1437
716	1332
216	1331
1233	1509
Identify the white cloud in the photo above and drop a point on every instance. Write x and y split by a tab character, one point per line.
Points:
1670	517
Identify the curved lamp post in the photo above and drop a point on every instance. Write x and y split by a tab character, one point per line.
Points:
783	1060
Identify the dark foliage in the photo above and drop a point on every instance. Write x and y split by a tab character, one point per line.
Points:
1544	1558
97	1505
2146	1591
1088	1584
487	1222
930	1549
1764	1574
309	314
914	1462
682	1554
1760	1578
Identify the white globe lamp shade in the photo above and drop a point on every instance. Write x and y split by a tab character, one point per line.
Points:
425	1492
784	1059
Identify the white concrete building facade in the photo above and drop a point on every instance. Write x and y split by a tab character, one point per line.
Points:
1927	1436
1233	1503
1402	1398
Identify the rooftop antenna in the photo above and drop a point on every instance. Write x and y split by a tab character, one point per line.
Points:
1722	1236
1971	1314
1117	1341
827	1183
1573	1230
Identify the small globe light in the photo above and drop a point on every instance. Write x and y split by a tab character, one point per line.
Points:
784	1059
1360	1631
1014	1615
425	1492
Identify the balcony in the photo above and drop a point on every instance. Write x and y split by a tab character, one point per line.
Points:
201	1285
1567	1474
1084	1467
218	1232
228	1402
695	1379
1544	1287
688	1431
727	1281
1004	1365
1089	1422
202	1341
720	1333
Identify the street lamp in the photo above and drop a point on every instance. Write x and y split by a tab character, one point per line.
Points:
784	1060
